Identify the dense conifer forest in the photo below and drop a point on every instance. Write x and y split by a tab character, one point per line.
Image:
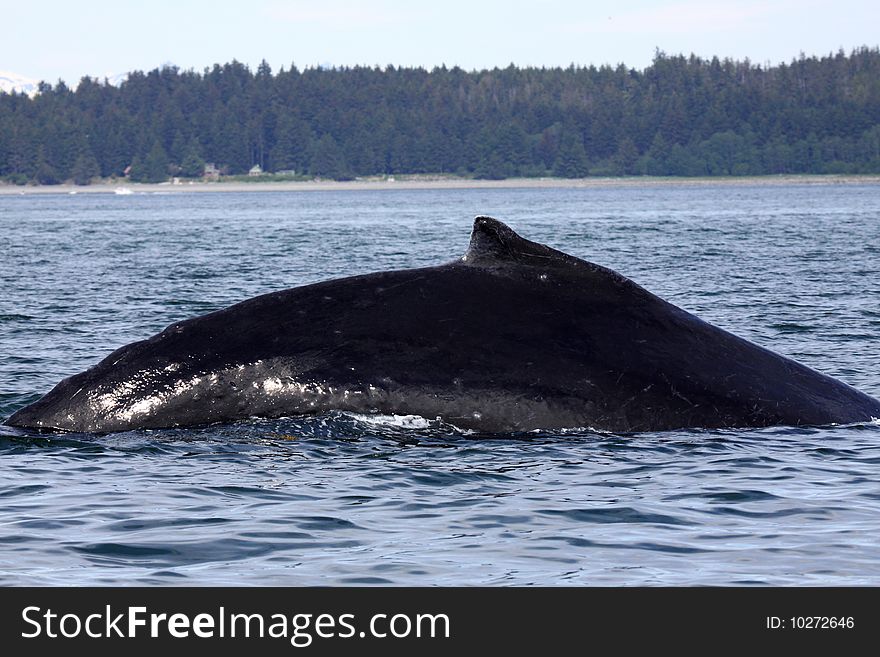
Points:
681	116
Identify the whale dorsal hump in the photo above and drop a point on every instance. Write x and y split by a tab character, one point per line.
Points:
494	243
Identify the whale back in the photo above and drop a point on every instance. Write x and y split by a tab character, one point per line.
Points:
513	336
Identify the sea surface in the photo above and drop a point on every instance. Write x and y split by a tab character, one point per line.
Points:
341	499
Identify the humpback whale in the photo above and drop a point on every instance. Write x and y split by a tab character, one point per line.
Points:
513	336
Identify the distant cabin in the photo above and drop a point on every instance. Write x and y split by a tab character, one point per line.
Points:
211	172
256	170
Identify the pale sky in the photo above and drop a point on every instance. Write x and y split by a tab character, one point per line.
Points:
67	39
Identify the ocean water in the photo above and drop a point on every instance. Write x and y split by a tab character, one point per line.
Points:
340	499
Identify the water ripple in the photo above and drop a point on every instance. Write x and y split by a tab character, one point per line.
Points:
377	500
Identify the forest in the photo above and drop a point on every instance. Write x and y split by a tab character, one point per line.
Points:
680	116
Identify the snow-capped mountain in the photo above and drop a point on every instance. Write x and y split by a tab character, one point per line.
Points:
115	80
10	82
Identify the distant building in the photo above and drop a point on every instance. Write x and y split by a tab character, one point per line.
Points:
256	170
211	172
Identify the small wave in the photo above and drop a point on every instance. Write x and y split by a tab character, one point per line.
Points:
617	514
792	327
406	422
576	432
861	424
401	421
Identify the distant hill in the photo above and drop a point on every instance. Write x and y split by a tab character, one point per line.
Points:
680	116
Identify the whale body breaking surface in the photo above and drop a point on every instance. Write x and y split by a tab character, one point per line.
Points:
513	336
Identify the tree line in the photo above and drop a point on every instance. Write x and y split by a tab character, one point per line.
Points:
680	116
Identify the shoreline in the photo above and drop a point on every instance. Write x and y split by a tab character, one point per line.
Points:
416	182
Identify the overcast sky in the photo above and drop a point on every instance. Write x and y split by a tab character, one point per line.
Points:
67	39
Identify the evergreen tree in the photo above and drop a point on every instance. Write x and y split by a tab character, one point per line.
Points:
45	173
154	168
679	116
547	147
626	157
192	165
85	169
293	145
329	160
571	159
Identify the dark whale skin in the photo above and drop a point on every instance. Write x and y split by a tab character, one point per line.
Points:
514	336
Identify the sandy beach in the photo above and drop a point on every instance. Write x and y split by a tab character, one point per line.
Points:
425	182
